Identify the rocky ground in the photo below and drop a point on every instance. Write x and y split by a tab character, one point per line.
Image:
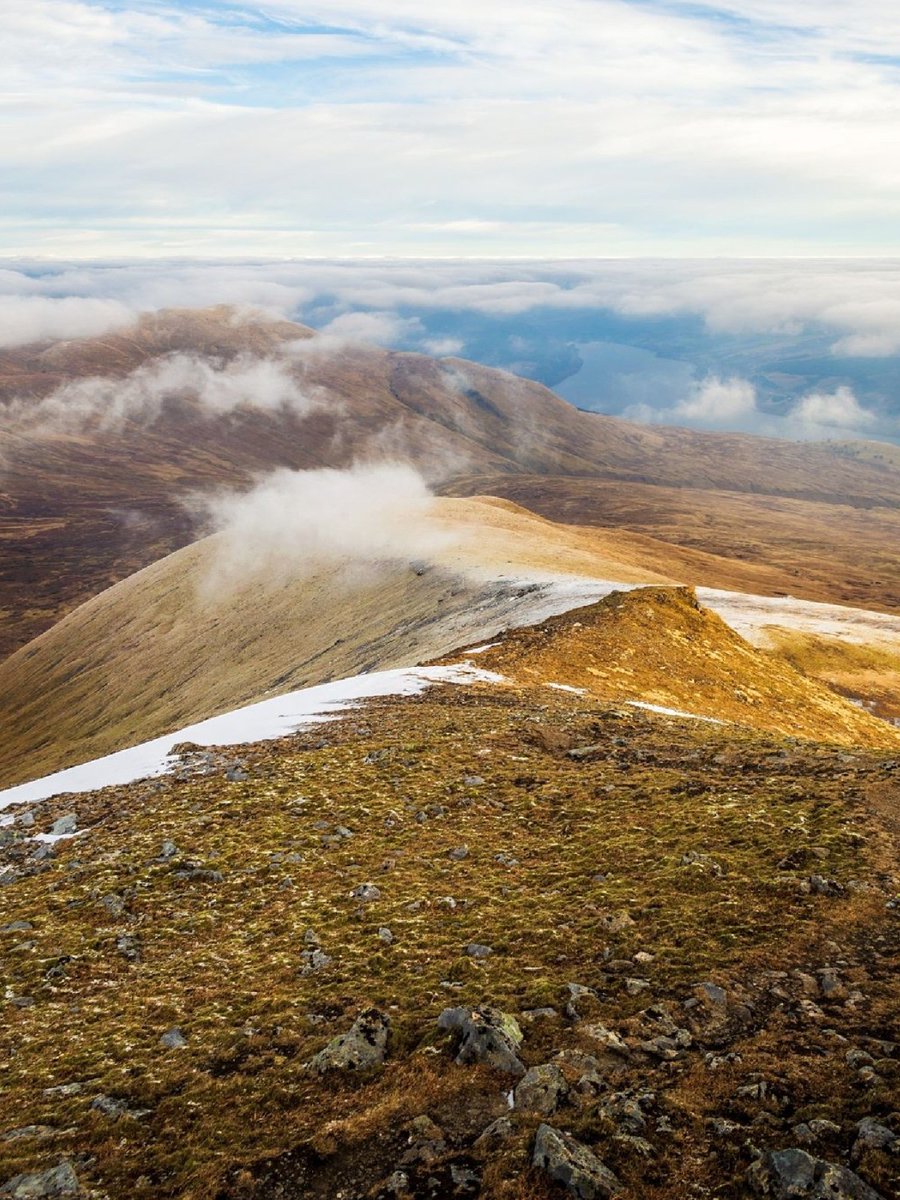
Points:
509	943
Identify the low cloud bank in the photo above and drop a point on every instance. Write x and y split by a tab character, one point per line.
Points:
292	523
732	404
245	382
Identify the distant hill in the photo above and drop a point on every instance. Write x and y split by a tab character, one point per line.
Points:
86	503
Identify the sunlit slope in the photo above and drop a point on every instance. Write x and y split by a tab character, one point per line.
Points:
660	646
180	641
175	643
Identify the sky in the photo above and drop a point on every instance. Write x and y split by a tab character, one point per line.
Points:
488	129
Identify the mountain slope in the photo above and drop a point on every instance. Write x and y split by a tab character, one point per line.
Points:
85	503
689	931
177	643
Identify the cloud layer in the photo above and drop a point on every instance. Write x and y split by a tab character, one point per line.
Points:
522	127
295	522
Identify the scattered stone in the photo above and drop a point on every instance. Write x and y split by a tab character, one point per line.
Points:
643	957
310	938
64	826
236	775
873	1136
385	935
711	995
795	1175
60	1180
28	1131
364	1045
9	875
460	853
492	1138
579	1170
113	903
314	960
473	781
607	1037
486	1035
17	927
820	886
477	950
199	875
634	987
129	947
366	893
109	1106
539	1014
25	819
541	1090
173	1039
426	1142
169	850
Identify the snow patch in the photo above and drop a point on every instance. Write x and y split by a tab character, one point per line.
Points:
672	712
567	687
264	721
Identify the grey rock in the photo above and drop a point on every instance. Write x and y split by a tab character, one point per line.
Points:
491	1139
477	950
314	960
129	947
109	1106
366	893
579	1170
634	987
364	1045
541	1090
199	875
607	1037
871	1135
60	1180
310	937
17	927
711	994
28	1131
64	825
25	819
473	781
113	903
486	1035
173	1039
9	875
385	935
168	850
459	853
795	1175
236	775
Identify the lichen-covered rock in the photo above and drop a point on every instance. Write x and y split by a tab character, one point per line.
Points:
487	1035
364	1045
579	1170
541	1089
795	1175
60	1180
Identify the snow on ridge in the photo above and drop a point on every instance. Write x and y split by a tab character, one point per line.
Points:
672	712
263	721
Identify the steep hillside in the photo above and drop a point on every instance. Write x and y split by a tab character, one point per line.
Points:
658	646
175	643
191	401
322	966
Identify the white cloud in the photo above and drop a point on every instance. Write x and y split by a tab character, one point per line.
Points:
292	521
839	409
719	402
219	387
377	127
377	328
25	319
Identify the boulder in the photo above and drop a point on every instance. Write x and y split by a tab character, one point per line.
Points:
795	1175
60	1180
364	1045
486	1035
541	1089
579	1170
